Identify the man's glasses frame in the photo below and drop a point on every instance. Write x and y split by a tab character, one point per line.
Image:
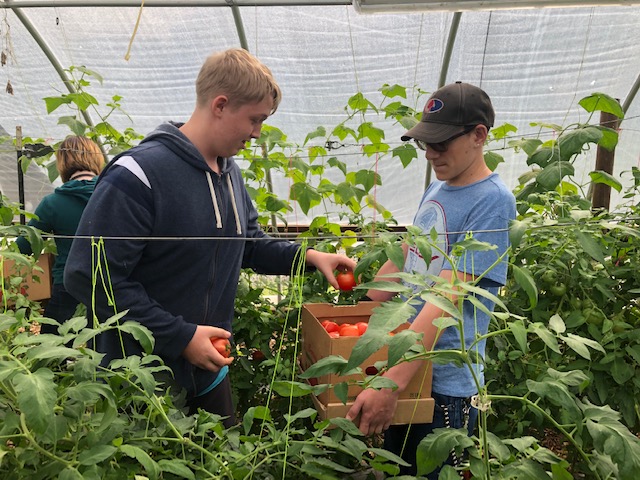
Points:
442	147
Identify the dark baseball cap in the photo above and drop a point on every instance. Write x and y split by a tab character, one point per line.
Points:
449	110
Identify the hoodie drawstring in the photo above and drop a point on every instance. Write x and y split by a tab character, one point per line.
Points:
233	204
214	199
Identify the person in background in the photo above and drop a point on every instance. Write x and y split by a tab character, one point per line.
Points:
187	226
79	161
467	197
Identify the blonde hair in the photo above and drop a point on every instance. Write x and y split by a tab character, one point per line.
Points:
76	154
238	75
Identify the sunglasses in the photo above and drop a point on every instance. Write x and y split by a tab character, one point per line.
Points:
442	147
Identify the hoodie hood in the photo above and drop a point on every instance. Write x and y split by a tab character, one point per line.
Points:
169	134
81	189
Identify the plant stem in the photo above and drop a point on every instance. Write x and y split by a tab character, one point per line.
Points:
559	427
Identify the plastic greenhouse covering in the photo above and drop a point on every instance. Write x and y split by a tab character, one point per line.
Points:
536	64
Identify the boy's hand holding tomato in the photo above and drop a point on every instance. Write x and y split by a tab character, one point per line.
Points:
222	345
199	351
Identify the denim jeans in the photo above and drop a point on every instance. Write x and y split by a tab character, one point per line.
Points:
457	409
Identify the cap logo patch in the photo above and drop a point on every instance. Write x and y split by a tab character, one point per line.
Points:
433	105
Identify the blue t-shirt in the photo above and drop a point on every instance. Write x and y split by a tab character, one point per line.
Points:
483	208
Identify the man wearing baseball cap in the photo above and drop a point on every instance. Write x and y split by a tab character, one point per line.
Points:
467	197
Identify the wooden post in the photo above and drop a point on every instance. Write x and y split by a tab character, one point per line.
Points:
604	162
23	219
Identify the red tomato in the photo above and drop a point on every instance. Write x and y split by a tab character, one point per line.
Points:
330	326
362	327
334	334
349	330
346	281
222	345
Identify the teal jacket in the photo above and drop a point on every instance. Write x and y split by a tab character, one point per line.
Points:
59	213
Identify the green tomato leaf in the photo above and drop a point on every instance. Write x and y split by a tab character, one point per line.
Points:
367	345
36	397
395	254
141	333
546	336
69	473
346	425
96	454
590	246
558	394
342	391
286	388
325	366
177	467
520	334
557	324
613	438
526	281
149	465
400	344
433	450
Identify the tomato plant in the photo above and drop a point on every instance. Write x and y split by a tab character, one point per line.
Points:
222	345
346	281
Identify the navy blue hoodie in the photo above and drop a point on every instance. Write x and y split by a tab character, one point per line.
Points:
164	188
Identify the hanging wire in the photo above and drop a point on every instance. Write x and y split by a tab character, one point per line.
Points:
415	72
581	65
293	236
65	37
484	51
353	50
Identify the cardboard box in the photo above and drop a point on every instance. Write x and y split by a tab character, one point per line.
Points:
37	284
317	344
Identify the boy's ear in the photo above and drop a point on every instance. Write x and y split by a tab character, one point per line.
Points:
481	133
219	103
